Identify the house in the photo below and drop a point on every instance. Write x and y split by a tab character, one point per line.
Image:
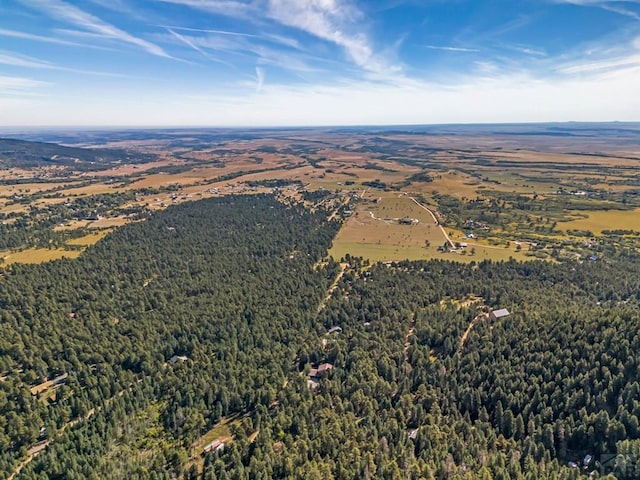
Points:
175	358
335	329
316	372
324	367
408	221
215	446
497	314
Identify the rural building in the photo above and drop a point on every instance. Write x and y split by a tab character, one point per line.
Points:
215	446
496	314
316	372
44	386
408	221
175	358
335	329
324	367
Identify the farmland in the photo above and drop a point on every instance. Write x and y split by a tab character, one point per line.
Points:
523	195
217	273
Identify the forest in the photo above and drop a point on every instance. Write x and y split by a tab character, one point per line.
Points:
23	154
217	310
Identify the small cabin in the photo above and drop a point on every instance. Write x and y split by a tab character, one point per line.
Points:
215	446
497	314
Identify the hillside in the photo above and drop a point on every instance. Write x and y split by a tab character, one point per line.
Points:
25	154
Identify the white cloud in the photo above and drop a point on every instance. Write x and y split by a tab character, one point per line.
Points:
450	49
229	8
334	21
41	38
19	85
17	60
73	15
616	6
502	98
259	78
601	66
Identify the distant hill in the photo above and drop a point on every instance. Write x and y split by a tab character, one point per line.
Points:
24	154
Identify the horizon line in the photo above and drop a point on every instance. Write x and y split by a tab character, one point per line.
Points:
108	127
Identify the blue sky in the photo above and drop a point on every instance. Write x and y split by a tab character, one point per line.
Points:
317	62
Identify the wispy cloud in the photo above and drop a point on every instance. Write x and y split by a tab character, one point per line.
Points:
69	13
270	37
615	6
206	30
253	47
451	49
187	41
531	51
24	61
334	21
41	38
229	8
19	85
259	78
630	62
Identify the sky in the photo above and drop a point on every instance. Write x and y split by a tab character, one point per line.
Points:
317	62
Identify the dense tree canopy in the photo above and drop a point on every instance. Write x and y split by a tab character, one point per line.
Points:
214	310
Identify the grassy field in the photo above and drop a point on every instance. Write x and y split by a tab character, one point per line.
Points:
89	239
384	253
374	232
598	221
38	255
456	170
109	222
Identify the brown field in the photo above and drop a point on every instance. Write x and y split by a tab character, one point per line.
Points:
109	222
14	208
38	255
90	239
71	225
465	166
31	188
373	232
596	222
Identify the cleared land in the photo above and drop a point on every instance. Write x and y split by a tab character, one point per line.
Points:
596	222
521	194
38	255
